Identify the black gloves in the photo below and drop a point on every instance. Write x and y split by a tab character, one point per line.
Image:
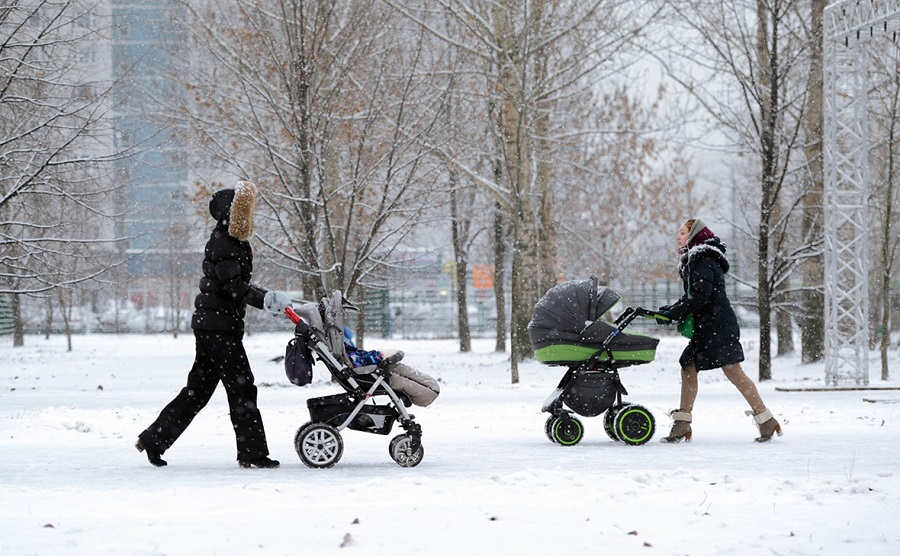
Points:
665	313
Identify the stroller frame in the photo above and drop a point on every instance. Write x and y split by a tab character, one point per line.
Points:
593	386
319	442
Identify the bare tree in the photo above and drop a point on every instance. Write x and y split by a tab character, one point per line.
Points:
611	190
53	147
885	113
323	104
532	56
750	74
812	317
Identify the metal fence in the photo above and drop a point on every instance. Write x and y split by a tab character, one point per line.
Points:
6	315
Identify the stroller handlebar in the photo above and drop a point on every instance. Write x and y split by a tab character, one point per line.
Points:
300	326
295	318
632	313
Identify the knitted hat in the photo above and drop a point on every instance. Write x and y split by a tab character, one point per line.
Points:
700	232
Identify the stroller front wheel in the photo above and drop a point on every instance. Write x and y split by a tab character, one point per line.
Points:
401	451
318	445
567	432
548	427
609	421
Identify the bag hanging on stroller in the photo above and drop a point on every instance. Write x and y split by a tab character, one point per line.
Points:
298	363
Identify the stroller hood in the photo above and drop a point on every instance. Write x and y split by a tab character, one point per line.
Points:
568	313
566	327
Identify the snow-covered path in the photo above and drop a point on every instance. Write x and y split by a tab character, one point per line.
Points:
490	483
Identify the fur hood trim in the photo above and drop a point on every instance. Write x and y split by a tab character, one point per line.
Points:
240	225
713	248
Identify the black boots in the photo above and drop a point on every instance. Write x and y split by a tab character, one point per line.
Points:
152	455
262	462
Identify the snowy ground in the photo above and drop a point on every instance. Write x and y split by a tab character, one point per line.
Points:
490	483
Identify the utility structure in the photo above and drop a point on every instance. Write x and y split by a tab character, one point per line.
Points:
854	32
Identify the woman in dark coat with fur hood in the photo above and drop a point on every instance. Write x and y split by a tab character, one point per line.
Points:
716	338
218	324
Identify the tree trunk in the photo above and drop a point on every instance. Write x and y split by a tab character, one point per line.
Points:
784	327
768	88
812	319
361	318
500	276
524	280
546	229
48	324
302	68
460	237
18	325
764	304
887	250
513	130
66	310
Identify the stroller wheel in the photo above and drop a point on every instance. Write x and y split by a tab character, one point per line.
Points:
634	424
609	420
318	445
567	432
548	428
401	451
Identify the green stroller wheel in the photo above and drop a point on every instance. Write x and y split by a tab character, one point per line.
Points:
548	427
609	421
634	424
567	432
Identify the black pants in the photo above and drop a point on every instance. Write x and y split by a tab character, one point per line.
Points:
220	357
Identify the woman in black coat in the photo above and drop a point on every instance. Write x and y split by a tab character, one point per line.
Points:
218	324
716	338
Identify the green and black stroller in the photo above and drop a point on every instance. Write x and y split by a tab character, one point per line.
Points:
568	330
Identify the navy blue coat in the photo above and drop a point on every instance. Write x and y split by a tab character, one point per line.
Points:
716	342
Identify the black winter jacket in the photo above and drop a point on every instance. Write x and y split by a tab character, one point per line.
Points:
225	289
717	335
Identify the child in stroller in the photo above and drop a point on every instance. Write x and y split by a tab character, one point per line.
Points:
567	329
319	332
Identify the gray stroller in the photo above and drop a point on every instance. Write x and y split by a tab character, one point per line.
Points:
319	335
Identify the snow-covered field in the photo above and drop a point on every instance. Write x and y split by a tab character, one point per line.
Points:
71	481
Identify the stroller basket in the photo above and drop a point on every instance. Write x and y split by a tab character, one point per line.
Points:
334	410
591	394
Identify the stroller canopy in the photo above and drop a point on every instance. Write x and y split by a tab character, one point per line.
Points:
567	326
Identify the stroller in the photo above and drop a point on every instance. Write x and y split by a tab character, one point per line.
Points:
566	330
319	333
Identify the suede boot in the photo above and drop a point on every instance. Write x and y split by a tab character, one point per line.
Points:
766	424
681	428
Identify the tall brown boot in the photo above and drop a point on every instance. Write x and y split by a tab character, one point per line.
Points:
681	428
767	425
